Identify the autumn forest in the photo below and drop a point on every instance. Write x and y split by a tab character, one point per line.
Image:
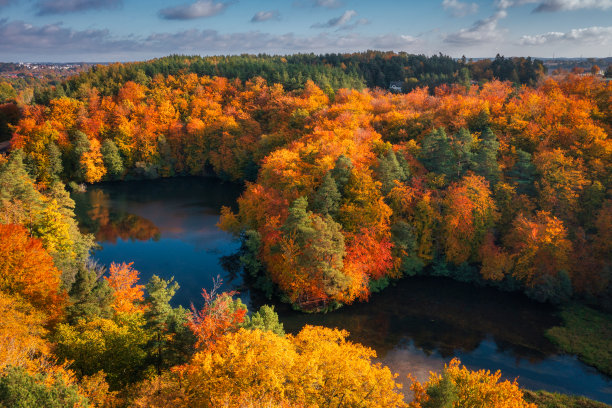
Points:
492	173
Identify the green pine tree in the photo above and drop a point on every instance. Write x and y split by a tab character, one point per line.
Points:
523	173
265	319
462	149
442	395
19	389
112	159
485	160
341	172
326	200
389	170
55	166
171	341
436	153
89	295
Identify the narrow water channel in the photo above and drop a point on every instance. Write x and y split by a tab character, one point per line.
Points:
168	228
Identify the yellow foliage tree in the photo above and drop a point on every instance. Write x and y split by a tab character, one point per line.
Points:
92	163
21	335
316	368
459	387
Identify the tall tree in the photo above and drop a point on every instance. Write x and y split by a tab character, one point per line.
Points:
560	184
460	387
55	166
112	159
326	200
389	170
462	150
540	247
436	152
485	160
170	341
90	295
342	172
469	214
265	319
80	146
523	174
127	294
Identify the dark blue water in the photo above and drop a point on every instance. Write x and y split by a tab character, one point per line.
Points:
168	227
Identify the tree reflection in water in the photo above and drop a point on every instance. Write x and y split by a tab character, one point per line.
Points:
109	224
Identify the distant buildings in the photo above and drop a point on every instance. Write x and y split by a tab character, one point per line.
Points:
40	70
395	86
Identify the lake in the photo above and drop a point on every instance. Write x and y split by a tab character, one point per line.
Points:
168	227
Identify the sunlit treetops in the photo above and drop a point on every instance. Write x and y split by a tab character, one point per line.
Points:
350	188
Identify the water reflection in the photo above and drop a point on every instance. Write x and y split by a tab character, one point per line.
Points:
442	316
422	323
168	228
109	224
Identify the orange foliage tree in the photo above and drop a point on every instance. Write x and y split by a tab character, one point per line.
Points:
220	315
27	271
469	213
127	295
539	247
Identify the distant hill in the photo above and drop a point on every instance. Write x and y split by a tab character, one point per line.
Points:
568	64
329	71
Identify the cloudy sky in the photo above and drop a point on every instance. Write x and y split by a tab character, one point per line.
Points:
126	30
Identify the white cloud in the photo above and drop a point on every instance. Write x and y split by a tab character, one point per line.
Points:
360	22
199	9
482	31
211	41
597	35
19	37
556	5
458	8
328	3
45	7
337	21
563	5
24	41
262	16
506	4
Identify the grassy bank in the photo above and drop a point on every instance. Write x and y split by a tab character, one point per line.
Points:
586	333
544	399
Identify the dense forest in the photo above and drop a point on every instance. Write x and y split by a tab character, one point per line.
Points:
345	190
495	184
329	72
76	335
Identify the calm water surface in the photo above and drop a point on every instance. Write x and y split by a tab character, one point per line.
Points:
168	227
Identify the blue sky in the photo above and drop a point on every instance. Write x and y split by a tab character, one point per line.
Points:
127	30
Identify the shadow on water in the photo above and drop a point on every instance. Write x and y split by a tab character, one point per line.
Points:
421	323
168	227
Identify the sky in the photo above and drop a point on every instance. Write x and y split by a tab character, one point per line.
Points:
130	30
